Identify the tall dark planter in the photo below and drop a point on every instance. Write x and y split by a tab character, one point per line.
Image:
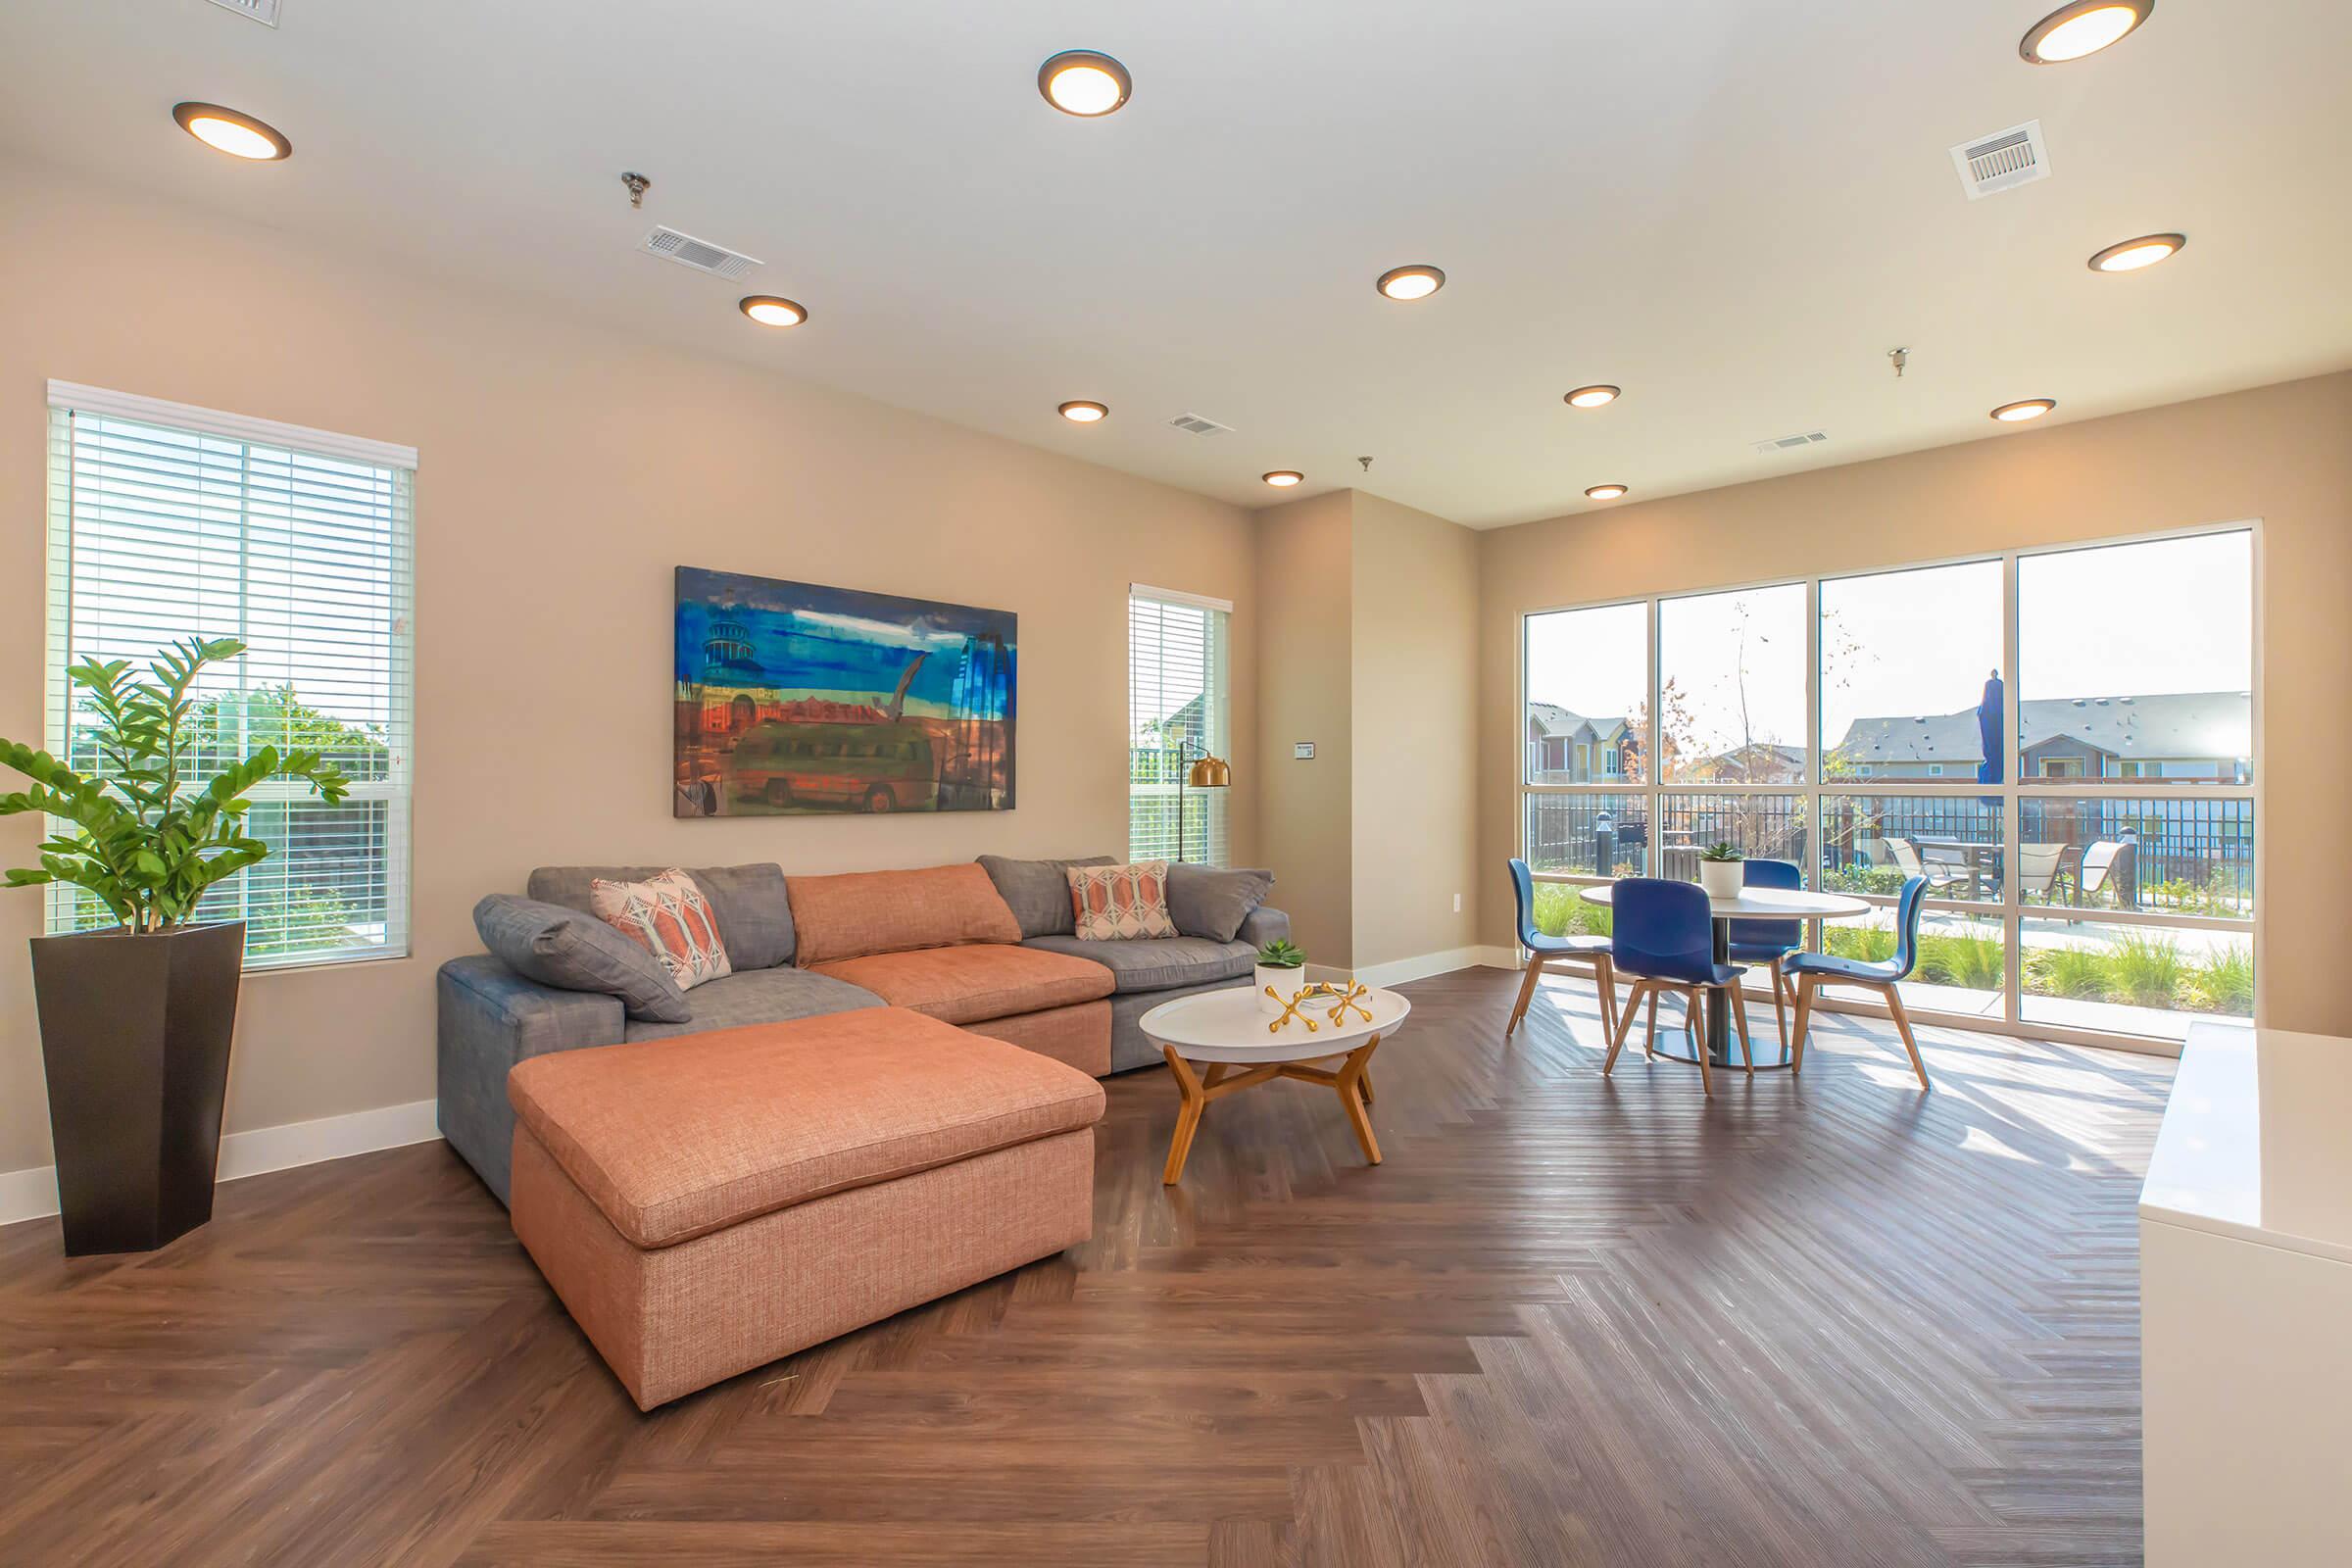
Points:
134	1038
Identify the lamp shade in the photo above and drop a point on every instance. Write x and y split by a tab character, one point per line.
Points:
1211	773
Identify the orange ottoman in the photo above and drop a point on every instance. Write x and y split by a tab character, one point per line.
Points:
706	1204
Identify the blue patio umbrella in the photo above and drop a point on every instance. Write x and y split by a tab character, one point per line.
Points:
1988	730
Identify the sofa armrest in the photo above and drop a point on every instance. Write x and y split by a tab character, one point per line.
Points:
1263	925
490	1019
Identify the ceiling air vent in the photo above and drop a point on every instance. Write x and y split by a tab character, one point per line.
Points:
1995	162
699	254
1194	424
263	12
1790	443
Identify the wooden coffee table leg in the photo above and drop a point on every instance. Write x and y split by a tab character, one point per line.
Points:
1188	1114
1351	1085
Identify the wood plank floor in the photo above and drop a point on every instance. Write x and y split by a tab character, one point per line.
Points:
1820	1322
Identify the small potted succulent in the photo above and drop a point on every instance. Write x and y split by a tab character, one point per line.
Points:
1279	972
1722	870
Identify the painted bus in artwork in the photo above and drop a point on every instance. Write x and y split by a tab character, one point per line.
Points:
795	698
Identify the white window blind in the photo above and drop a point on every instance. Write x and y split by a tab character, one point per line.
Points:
1176	703
168	523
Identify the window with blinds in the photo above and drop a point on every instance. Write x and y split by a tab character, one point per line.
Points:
1176	704
168	523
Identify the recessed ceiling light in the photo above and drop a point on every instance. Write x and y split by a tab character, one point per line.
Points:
1283	479
1410	282
2083	28
1083	412
2133	254
1592	397
771	310
1605	492
1085	83
2029	409
227	130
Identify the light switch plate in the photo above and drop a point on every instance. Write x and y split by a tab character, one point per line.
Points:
1302	750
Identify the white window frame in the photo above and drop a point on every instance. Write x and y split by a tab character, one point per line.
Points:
1214	810
2014	788
397	785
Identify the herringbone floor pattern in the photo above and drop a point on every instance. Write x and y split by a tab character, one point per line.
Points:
1567	1322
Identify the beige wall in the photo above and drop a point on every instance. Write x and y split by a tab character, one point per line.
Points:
1415	795
1303	553
564	472
2281	453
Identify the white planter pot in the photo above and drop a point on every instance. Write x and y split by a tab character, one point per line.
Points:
1722	879
1286	983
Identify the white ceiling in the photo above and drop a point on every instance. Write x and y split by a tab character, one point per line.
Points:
1731	208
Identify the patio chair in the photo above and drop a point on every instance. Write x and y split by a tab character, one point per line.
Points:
2037	869
1938	876
2100	864
1664	939
1813	970
1591	952
1769	942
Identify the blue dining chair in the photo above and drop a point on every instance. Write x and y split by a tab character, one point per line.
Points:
1814	970
1590	951
1770	942
1663	936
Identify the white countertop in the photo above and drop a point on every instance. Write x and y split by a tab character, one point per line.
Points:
2257	1140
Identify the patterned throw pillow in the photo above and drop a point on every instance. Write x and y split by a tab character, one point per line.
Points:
1120	902
668	918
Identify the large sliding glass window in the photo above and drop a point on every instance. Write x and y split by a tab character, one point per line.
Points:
2061	741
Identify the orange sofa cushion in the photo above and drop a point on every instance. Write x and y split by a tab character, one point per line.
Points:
863	912
969	985
674	1138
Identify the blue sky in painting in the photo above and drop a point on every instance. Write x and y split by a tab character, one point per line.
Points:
838	640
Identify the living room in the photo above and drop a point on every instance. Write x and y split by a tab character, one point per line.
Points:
1383	491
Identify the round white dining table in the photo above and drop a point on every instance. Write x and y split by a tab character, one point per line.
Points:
1751	903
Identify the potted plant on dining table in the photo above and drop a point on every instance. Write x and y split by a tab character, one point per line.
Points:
137	1016
1722	870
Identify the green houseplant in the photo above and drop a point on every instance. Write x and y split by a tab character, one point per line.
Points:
1722	869
137	1017
1278	973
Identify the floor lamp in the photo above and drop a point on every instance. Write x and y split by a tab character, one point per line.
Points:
1206	772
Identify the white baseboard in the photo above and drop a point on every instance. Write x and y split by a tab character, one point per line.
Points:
33	1194
1400	970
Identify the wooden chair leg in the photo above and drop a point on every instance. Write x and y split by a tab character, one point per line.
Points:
1604	980
1747	1054
1698	1035
1902	1026
1624	1022
1650	1041
1804	1017
1779	1004
1527	993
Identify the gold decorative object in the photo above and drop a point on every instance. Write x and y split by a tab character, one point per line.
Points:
1341	1000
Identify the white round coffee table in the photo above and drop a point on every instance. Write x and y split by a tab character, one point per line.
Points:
1225	1030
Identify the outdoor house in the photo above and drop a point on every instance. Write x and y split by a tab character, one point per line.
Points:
2201	735
1565	748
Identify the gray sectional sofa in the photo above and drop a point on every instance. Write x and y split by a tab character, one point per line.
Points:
492	1014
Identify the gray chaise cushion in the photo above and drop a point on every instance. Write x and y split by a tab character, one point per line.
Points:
1206	901
1129	1046
1038	890
576	951
490	1019
760	996
1155	963
753	912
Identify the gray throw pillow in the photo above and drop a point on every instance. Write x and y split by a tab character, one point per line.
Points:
1207	901
1038	892
574	951
749	902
